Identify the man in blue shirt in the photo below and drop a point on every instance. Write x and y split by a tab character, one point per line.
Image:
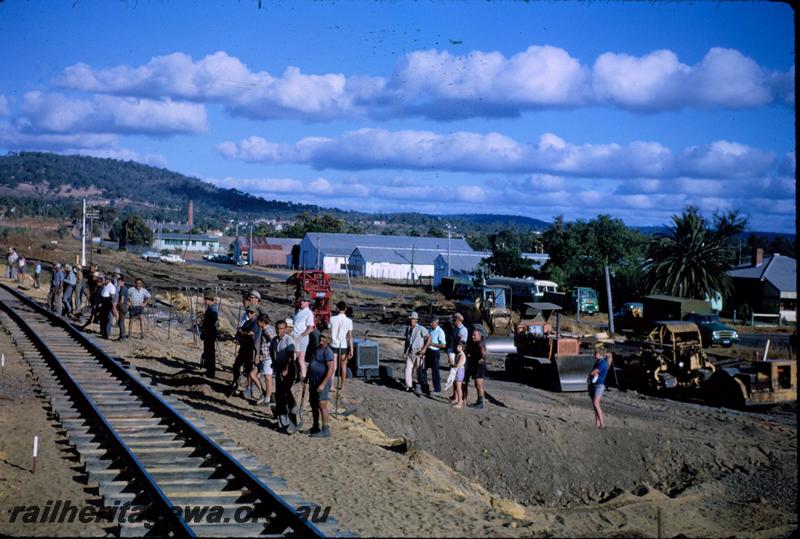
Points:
320	375
437	344
597	381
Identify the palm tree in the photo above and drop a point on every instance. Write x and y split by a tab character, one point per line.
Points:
691	259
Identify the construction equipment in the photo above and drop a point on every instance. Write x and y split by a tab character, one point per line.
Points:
670	356
316	285
488	306
757	383
556	361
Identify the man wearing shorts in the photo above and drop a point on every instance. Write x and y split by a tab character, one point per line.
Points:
138	296
597	383
476	367
320	374
303	326
342	340
458	334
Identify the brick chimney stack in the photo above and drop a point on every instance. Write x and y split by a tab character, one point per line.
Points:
758	256
191	213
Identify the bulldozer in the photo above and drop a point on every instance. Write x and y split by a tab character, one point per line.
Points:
670	356
556	361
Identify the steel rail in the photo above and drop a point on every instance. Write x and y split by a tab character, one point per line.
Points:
287	516
85	403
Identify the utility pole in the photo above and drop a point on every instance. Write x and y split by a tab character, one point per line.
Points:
319	249
610	304
250	248
578	305
449	234
83	236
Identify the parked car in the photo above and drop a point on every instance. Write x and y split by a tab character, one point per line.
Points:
712	330
151	255
172	259
241	262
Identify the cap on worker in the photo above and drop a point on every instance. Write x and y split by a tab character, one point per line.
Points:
459	316
305	299
255	294
208	294
413	315
68	267
289	323
117	271
251	310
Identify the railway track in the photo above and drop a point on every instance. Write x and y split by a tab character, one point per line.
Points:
148	452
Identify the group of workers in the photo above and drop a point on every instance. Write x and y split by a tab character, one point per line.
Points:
273	357
290	350
466	354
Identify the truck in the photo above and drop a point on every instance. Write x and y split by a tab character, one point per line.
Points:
580	299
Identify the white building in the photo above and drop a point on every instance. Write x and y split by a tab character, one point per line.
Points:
187	242
331	252
394	262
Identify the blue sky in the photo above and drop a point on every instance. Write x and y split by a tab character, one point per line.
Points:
533	108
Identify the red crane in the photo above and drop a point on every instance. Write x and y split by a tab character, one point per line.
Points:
316	285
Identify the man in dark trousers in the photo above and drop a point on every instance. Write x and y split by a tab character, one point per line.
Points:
248	335
281	350
209	334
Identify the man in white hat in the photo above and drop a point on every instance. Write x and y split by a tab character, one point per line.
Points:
303	326
417	341
70	280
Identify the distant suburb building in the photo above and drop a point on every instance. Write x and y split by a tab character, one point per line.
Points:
465	265
768	285
331	252
276	252
199	243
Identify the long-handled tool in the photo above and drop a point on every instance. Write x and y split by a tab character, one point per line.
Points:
300	408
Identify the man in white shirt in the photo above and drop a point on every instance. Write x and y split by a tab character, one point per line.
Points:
107	294
303	326
342	340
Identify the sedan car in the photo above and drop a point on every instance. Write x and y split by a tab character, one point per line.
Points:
713	331
172	259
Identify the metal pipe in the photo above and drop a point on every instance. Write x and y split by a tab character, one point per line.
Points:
610	304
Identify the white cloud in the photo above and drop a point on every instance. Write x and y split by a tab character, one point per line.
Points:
439	85
769	207
4	108
474	152
659	81
55	113
91	144
12	139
